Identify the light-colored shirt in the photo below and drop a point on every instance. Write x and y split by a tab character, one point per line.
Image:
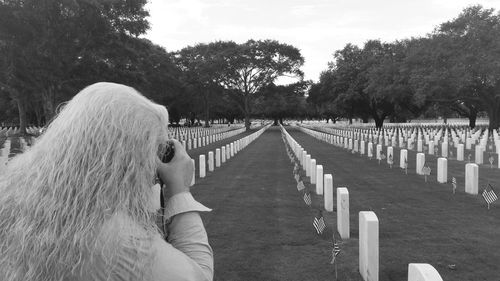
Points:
186	255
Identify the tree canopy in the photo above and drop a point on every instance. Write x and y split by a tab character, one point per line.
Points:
455	70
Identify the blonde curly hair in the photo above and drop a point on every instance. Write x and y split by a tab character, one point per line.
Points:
96	158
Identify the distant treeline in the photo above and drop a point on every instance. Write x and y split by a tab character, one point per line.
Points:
50	50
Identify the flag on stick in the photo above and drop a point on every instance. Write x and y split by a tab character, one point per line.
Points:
300	185
489	196
307	198
454	183
319	223
335	251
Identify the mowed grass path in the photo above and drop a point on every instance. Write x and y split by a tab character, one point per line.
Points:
260	229
419	222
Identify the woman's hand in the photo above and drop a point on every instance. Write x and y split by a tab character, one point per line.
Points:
178	173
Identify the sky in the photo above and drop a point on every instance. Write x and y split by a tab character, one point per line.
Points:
316	27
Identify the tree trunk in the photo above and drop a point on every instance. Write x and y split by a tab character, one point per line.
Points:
206	101
48	99
247	113
21	106
494	116
379	122
472	119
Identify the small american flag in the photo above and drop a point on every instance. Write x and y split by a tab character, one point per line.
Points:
454	183
307	198
489	196
300	185
319	224
335	251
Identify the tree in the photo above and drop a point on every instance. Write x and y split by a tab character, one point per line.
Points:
474	39
279	101
247	68
202	71
43	41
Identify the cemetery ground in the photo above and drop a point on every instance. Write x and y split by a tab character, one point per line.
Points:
261	229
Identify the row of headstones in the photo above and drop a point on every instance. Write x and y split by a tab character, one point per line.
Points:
8	131
471	169
435	133
459	147
368	221
190	133
208	139
396	137
223	154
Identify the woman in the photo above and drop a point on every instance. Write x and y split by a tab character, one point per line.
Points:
79	204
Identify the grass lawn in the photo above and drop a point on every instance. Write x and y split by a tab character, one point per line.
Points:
419	222
260	229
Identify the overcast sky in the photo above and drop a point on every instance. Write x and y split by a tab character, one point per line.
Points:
317	27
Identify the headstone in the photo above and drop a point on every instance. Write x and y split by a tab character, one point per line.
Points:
468	143
328	192
308	165
202	166
479	155
419	145
390	152
431	147
460	152
343	212
232	149
223	154
313	171
422	272
319	179
444	149
420	163
368	245
471	178
403	157
194	171
228	152
210	161
379	151
442	170
362	147
370	150
217	157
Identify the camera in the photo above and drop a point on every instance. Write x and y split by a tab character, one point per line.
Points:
168	153
166	157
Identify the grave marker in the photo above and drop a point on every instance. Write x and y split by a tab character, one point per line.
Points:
471	178
328	192
343	212
368	246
